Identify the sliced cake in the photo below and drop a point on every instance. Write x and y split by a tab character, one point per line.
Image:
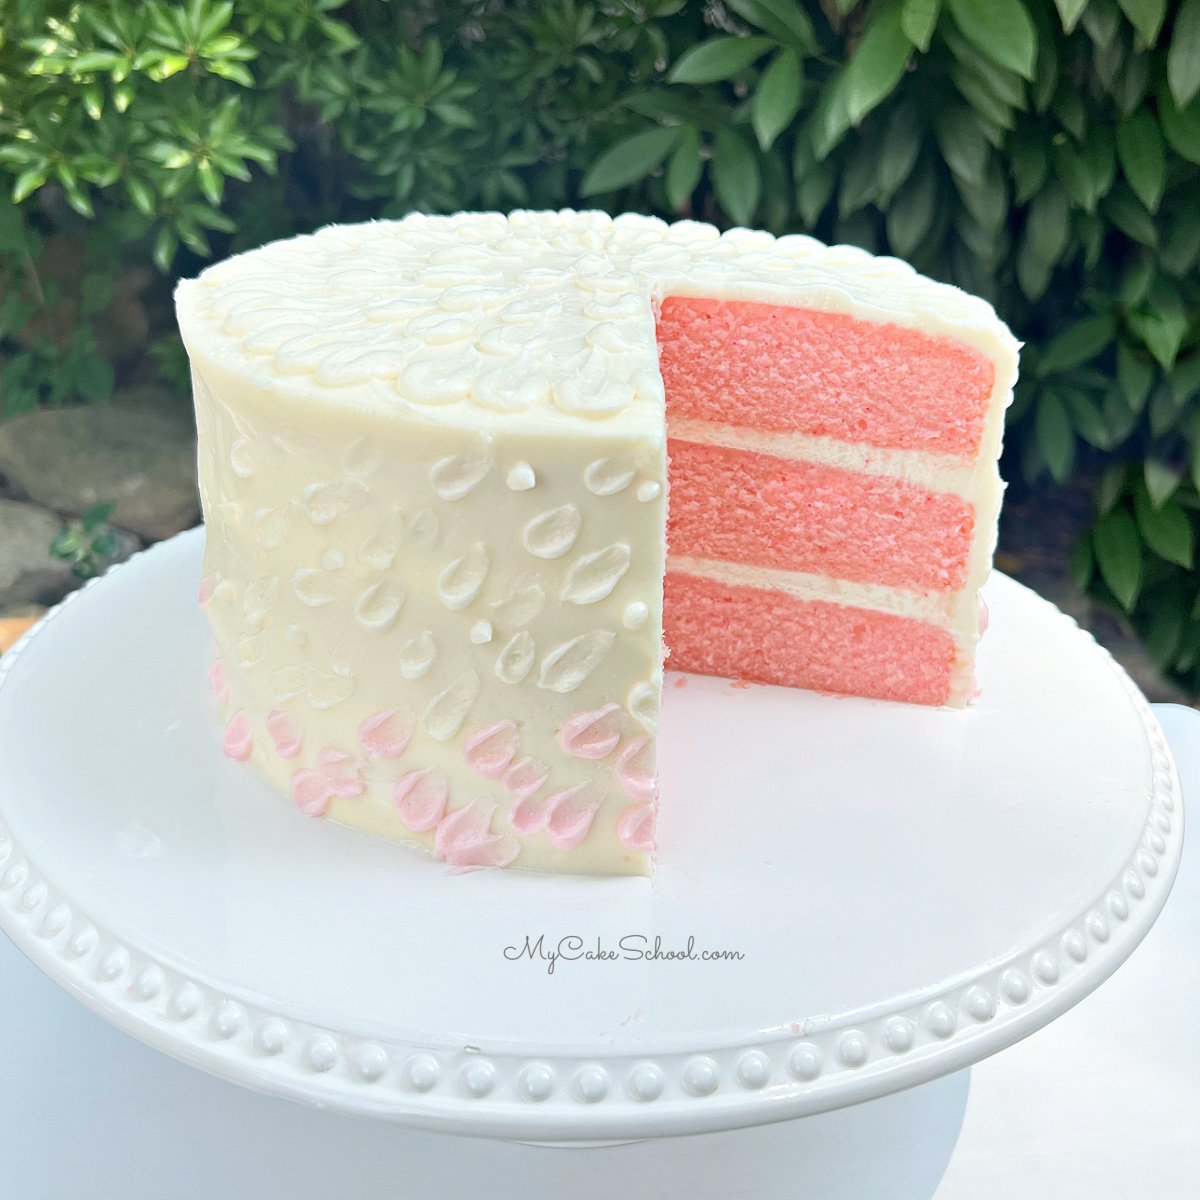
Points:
434	466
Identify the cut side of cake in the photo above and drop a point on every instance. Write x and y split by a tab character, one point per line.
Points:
834	497
442	460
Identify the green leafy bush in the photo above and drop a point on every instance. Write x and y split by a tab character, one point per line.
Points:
1043	154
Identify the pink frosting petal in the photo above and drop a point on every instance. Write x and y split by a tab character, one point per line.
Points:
591	734
634	769
335	775
239	741
284	733
421	798
488	751
464	838
384	735
983	616
342	773
311	792
635	827
220	684
527	814
208	585
524	777
570	815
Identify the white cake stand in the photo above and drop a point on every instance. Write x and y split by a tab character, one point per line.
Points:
909	889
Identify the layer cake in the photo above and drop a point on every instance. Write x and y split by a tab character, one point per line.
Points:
434	466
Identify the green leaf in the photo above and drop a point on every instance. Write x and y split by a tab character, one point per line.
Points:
1069	12
212	183
165	245
1102	20
1055	438
1119	556
1181	127
1078	344
1134	377
1183	58
736	177
813	192
1166	529
94	60
1068	107
1162	480
1130	216
631	159
1140	148
684	169
66	543
910	215
963	145
1028	164
901	145
1110	487
1074	174
1163	624
999	29
987	202
1047	229
718	58
976	92
1185	379
877	65
1099	161
832	117
27	183
918	19
1164	412
1007	87
782	19
95	517
229	69
94	378
1146	16
1086	418
777	97
1161	326
140	194
860	179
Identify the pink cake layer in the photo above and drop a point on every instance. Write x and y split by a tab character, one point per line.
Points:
769	637
793	370
760	510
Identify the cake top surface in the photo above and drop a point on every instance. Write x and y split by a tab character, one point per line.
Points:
533	320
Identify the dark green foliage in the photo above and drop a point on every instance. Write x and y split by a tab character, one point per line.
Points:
88	543
1042	153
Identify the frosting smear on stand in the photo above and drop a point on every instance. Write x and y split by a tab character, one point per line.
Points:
434	466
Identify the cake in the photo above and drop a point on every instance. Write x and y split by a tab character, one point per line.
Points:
465	477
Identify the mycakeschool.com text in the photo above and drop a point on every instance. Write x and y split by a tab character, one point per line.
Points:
632	947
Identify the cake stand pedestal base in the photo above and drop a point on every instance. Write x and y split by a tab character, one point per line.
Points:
853	897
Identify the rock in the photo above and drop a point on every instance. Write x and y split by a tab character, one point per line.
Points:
29	573
138	450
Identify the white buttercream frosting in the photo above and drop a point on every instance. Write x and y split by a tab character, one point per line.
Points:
535	320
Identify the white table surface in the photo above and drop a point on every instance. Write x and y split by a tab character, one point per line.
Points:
1103	1103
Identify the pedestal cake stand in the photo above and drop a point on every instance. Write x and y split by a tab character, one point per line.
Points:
853	896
